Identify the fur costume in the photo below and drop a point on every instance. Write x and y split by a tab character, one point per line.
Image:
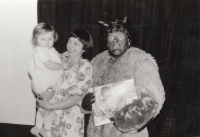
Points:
136	64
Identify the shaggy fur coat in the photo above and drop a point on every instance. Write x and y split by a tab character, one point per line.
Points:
136	64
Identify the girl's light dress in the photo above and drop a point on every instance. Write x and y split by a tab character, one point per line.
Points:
41	76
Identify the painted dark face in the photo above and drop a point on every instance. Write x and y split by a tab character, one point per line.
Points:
117	43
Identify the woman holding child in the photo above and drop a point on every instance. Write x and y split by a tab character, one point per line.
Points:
71	87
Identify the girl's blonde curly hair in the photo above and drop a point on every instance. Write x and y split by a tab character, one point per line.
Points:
40	29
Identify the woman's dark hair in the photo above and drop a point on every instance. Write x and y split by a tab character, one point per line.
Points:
85	38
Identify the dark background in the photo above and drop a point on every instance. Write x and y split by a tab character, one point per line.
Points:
167	29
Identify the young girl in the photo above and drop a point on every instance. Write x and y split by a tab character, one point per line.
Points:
45	69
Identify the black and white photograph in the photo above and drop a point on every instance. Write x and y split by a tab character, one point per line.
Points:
53	52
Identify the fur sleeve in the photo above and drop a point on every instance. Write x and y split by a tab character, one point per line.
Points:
150	92
148	81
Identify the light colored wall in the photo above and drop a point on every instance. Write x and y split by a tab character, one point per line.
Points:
17	20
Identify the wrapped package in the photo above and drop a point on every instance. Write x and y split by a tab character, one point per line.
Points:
111	98
136	115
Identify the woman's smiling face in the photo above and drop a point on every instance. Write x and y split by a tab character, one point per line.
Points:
74	47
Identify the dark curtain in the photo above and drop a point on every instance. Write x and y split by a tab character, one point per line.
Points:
167	29
68	15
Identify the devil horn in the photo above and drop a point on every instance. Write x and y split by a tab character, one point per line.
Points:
103	23
124	20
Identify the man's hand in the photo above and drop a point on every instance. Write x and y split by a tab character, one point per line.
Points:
134	117
134	131
125	132
87	102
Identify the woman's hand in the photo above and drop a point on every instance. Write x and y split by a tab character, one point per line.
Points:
49	93
43	103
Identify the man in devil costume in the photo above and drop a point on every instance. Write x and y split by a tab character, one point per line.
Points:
120	62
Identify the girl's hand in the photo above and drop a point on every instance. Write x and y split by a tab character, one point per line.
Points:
66	65
70	62
49	93
43	103
65	55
